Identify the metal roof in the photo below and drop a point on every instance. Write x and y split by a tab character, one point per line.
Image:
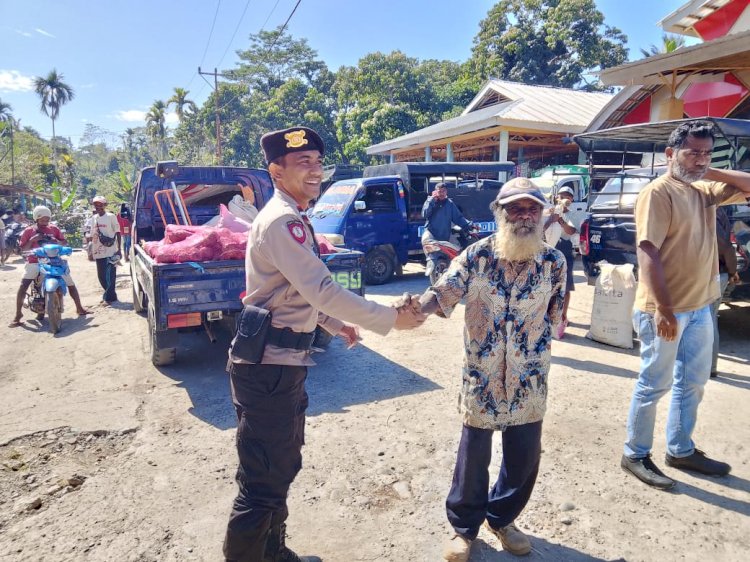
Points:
648	137
727	53
538	108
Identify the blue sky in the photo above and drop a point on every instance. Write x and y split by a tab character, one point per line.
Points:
120	56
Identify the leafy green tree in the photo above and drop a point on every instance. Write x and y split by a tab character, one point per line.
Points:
156	126
6	112
180	101
550	42
53	93
274	58
669	43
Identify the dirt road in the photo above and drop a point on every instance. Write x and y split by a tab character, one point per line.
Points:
105	457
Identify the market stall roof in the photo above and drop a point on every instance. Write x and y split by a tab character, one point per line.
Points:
649	137
510	105
19	190
728	53
684	18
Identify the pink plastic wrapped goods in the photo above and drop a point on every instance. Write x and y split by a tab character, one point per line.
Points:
203	245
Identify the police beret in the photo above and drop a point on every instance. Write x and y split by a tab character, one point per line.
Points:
294	139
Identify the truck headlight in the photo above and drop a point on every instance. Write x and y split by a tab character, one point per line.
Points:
335	239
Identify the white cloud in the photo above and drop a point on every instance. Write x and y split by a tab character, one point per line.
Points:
45	33
139	116
131	116
14	81
24	33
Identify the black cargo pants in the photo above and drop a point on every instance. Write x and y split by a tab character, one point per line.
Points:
270	401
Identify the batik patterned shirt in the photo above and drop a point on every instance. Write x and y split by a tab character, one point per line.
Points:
510	310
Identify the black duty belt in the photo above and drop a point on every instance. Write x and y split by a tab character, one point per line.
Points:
288	338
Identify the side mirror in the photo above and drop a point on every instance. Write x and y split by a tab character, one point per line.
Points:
167	169
360	206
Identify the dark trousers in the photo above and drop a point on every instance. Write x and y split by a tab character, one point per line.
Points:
270	401
468	503
107	273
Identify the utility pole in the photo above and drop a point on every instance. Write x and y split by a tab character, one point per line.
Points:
216	75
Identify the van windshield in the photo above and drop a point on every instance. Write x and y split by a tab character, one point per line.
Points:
336	200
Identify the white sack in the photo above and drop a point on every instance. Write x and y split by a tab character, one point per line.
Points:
611	314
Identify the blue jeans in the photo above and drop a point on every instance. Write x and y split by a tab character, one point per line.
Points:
683	365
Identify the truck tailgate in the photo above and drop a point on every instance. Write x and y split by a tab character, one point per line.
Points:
200	287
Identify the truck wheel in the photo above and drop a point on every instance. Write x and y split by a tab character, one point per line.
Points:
139	298
440	266
160	356
322	338
378	267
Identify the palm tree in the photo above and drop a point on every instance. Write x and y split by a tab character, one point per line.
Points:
6	112
155	123
180	101
53	93
669	43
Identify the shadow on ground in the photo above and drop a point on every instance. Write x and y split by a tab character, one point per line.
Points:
341	379
541	549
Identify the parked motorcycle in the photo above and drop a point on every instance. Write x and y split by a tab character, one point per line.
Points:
13	233
48	289
440	253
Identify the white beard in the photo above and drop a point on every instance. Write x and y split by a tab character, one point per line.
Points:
680	173
517	241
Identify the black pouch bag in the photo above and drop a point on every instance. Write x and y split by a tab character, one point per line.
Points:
105	240
252	331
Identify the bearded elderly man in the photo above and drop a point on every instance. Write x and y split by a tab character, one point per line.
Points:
675	219
514	286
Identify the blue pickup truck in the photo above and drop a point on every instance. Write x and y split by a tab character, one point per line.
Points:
188	296
380	214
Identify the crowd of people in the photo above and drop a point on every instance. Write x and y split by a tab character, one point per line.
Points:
516	289
106	236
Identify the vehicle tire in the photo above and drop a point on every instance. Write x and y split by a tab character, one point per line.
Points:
138	299
160	356
53	306
378	267
322	338
440	266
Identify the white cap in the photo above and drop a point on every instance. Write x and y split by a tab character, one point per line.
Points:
99	199
41	211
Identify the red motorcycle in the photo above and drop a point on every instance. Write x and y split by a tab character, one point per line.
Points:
440	253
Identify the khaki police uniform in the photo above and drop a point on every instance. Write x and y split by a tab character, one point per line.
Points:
285	276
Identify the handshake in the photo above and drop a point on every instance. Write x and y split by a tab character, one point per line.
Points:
410	313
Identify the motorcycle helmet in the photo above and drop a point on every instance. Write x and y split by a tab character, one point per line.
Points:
41	211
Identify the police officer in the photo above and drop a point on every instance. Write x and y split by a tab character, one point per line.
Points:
286	277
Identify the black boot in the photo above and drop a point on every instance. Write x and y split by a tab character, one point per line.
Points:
277	551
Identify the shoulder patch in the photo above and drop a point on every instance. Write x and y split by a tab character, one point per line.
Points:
297	230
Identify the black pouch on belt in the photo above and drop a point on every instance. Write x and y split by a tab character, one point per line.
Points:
252	332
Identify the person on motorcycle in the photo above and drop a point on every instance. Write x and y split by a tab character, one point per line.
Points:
440	213
42	232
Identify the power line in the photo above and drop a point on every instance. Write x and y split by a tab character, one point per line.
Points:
208	41
273	43
210	33
247	4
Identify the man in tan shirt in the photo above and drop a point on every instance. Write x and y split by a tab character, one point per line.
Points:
675	218
286	277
